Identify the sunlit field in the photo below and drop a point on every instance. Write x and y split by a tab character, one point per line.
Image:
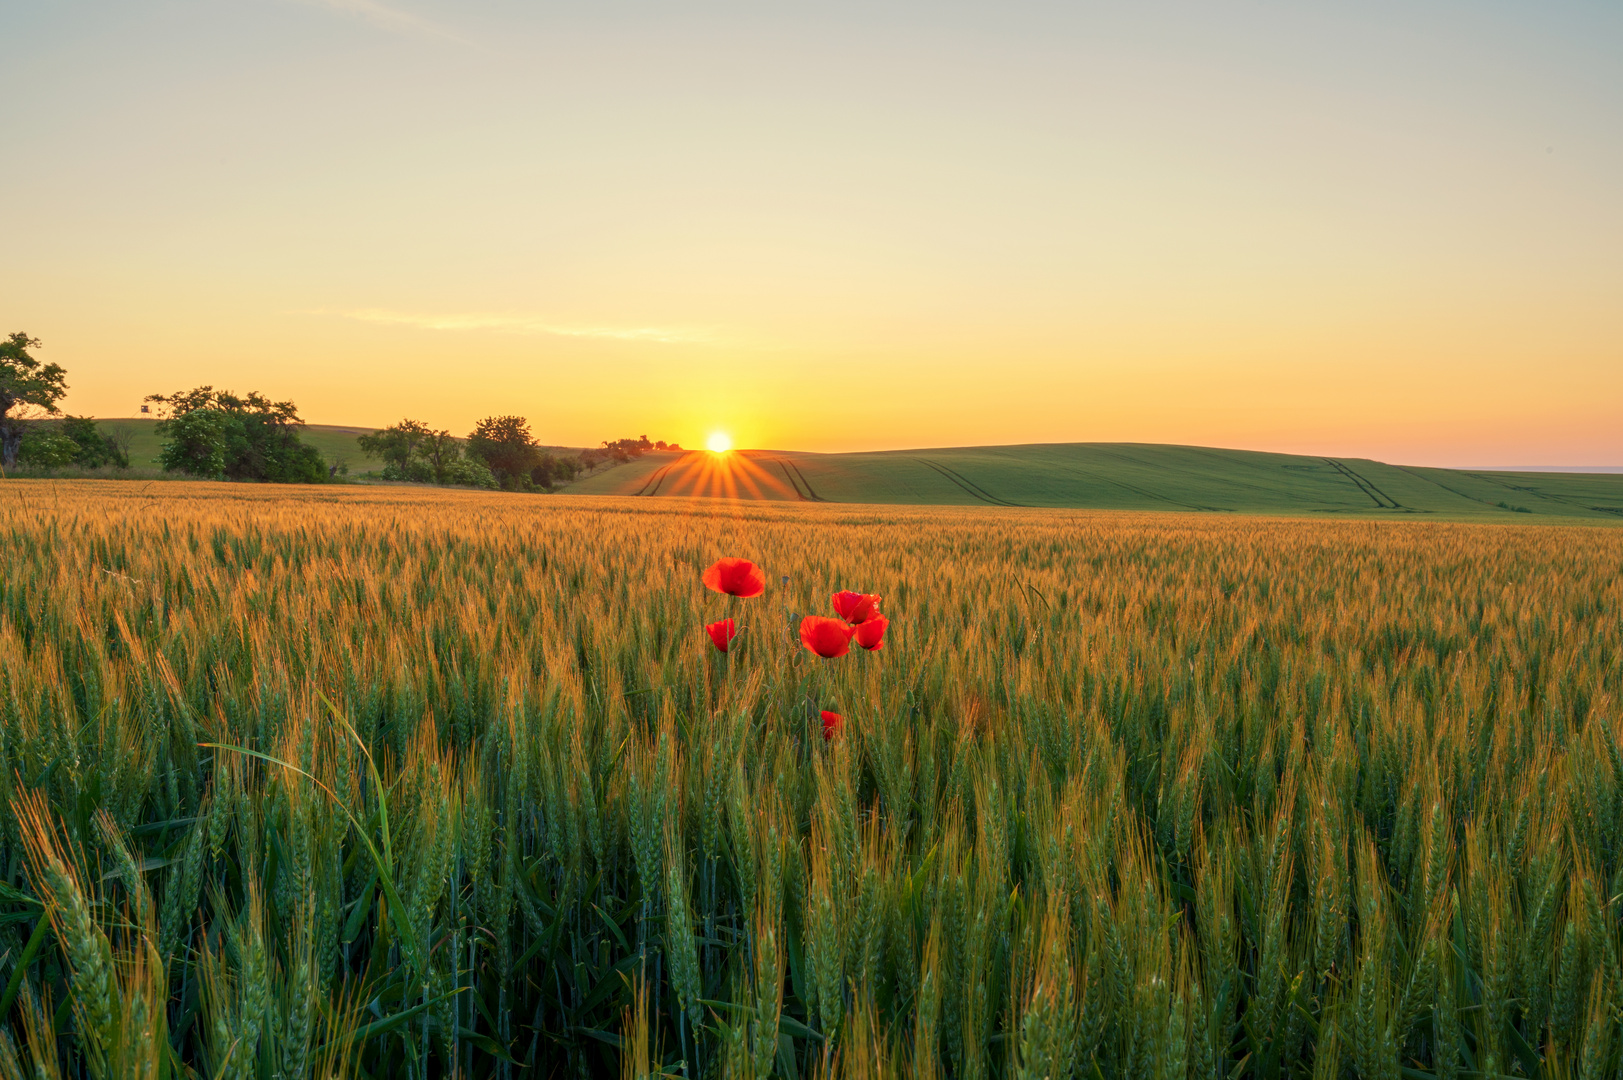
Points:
396	782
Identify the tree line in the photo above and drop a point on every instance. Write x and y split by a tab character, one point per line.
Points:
219	435
500	452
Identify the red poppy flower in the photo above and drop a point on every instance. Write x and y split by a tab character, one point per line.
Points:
855	607
832	722
871	634
827	638
736	577
722	633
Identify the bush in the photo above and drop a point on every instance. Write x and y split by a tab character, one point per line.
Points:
94	448
415	472
47	450
74	440
469	472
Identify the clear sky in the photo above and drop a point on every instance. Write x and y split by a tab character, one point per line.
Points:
1375	228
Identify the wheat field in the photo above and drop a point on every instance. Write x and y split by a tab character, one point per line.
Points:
348	782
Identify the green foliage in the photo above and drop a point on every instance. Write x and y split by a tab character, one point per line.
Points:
468	472
47	449
95	449
505	445
400	447
25	384
198	442
413	451
518	463
620	451
74	440
1123	796
220	436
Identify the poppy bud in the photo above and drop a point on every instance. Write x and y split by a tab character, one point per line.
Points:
736	577
832	723
871	634
722	633
827	638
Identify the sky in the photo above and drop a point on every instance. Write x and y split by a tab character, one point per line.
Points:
1376	229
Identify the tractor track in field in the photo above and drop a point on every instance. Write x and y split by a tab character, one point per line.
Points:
968	485
1375	494
1490	478
1146	492
797	480
651	485
1445	487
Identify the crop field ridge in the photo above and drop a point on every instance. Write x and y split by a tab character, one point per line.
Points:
341	782
1119	476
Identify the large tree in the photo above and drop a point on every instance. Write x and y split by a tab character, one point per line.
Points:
27	387
505	444
216	434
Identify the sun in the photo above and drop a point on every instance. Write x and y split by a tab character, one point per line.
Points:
719	442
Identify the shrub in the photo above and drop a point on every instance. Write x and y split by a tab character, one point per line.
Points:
469	472
95	449
47	449
416	472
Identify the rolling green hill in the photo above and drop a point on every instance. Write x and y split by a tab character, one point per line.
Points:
1123	476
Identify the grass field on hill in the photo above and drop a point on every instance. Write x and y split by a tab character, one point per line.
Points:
1124	476
310	781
